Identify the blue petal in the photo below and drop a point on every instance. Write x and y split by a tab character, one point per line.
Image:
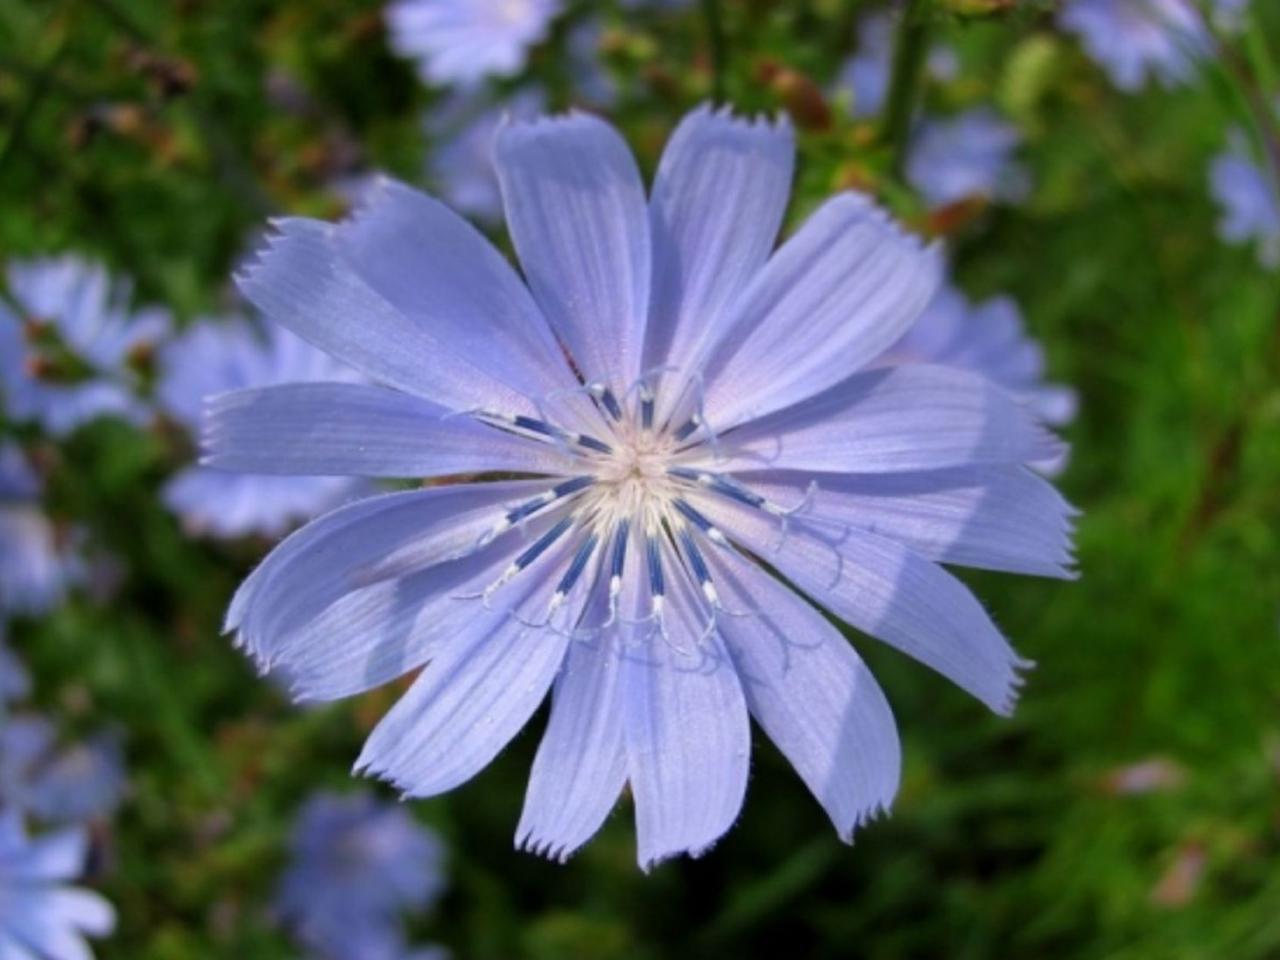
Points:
577	214
913	417
811	693
994	517
832	299
581	765
687	734
359	545
889	592
440	272
718	200
59	855
344	429
301	282
373	635
474	696
51	921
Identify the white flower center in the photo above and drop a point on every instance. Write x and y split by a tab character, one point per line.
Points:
624	516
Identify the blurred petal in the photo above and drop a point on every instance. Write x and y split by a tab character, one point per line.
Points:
811	693
832	299
913	417
11	949
718	200
351	429
51	856
577	214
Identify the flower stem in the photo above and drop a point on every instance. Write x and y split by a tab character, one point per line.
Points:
904	84
719	49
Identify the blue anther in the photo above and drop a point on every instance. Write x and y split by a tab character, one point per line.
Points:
611	403
529	507
695	557
572	486
535	426
591	443
577	566
619	549
690	425
693	516
657	586
543	542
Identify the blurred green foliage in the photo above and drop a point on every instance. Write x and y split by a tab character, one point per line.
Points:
159	135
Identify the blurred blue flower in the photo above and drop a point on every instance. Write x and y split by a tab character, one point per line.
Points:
58	783
866	74
35	570
463	41
989	338
213	357
1249	197
1229	15
592	83
65	360
15	682
461	167
1134	39
357	864
966	156
41	915
674	399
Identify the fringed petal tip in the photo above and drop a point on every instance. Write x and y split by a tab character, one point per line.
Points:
647	862
284	230
544	125
931	263
1019	668
881	810
727	115
546	847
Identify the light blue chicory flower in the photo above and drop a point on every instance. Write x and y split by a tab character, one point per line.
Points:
214	357
1136	39
58	783
592	83
15	682
34	570
1249	198
41	915
462	42
357	865
677	399
71	306
966	156
461	166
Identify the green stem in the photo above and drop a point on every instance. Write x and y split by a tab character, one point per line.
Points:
41	82
719	48
905	80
